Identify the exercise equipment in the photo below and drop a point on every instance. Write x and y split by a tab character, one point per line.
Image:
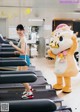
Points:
10	79
12	63
39	80
7	49
5	45
8	54
15	93
3	40
15	96
11	58
12	95
20	78
6	41
14	68
40	83
43	105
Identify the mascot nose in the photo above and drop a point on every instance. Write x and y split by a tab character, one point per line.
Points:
54	45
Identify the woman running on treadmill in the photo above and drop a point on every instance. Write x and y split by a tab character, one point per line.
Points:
24	51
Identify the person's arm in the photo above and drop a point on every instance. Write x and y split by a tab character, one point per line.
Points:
20	50
23	46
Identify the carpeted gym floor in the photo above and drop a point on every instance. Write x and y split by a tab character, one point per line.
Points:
47	67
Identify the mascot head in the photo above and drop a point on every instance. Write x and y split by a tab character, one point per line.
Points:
61	39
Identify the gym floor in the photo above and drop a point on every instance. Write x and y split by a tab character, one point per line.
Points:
47	67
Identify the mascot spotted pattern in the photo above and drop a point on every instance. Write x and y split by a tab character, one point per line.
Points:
62	48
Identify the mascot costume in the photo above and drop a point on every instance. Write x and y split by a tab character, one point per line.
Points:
62	47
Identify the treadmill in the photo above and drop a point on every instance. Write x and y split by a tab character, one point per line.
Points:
13	96
41	80
39	88
6	41
21	105
40	83
7	49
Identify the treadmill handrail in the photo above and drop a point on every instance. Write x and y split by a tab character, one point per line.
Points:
11	58
17	78
17	72
36	105
8	54
5	48
6	41
5	45
12	63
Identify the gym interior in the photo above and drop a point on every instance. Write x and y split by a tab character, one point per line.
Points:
39	55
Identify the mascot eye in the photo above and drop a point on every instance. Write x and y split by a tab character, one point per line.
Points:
61	38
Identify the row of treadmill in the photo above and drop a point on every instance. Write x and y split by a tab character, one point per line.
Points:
45	97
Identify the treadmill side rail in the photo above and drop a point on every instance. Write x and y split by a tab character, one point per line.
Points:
38	105
17	78
12	63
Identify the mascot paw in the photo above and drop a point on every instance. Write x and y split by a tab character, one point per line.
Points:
66	90
57	87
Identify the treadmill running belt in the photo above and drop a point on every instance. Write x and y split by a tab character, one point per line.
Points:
15	94
39	81
38	73
31	68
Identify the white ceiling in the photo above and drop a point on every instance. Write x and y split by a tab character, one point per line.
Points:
48	9
54	4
